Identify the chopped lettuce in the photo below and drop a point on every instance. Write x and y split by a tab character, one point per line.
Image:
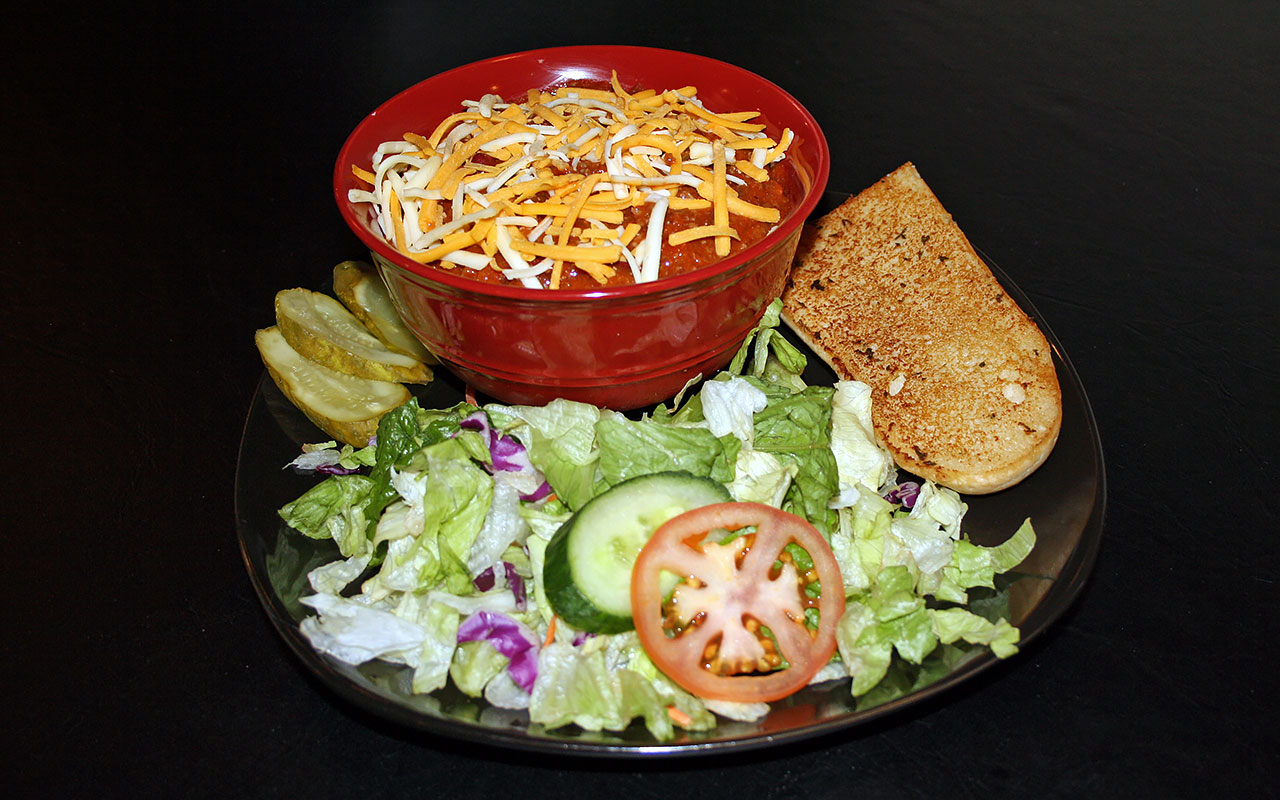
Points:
629	448
331	578
953	624
761	477
475	663
503	525
442	535
729	407
516	643
797	429
588	687
973	565
859	460
355	633
442	512
560	437
440	625
334	509
890	616
766	353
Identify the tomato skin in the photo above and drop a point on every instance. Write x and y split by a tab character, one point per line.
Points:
674	547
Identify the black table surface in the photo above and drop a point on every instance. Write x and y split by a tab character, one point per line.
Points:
168	169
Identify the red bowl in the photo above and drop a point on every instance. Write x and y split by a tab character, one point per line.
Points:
618	347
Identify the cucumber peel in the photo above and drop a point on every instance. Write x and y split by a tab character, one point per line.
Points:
587	570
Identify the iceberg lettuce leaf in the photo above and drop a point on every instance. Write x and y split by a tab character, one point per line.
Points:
974	565
474	665
354	633
561	440
766	344
860	460
629	448
605	687
761	477
729	406
334	509
797	428
575	687
954	624
890	617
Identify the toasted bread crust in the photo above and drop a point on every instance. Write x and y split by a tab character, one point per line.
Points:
889	291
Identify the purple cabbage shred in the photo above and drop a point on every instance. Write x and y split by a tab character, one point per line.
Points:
488	579
337	469
509	638
537	494
508	454
516	582
904	493
485	580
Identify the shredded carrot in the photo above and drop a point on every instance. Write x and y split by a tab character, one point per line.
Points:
551	632
679	717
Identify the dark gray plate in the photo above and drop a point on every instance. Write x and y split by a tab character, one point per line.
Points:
1065	499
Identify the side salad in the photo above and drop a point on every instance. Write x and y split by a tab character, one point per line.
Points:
444	523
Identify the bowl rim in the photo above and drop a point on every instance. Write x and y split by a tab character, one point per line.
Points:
378	245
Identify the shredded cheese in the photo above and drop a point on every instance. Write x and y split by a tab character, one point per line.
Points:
702	232
719	197
533	188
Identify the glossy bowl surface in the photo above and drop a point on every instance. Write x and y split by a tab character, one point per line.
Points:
621	347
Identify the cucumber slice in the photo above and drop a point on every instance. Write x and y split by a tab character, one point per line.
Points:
587	571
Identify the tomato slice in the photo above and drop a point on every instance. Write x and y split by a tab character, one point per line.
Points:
734	628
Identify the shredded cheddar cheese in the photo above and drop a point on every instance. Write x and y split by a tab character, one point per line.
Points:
532	189
689	234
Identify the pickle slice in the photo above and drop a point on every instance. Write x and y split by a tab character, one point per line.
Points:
344	406
364	294
323	330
